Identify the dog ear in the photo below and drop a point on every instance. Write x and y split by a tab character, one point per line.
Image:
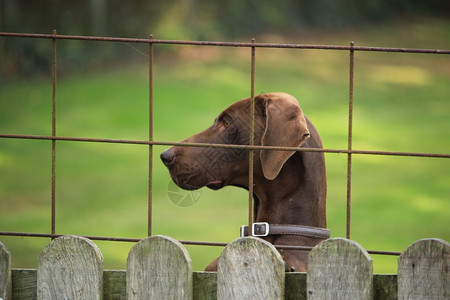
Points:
285	126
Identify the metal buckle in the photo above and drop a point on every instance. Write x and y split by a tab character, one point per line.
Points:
266	227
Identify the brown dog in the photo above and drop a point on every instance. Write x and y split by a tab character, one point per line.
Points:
289	186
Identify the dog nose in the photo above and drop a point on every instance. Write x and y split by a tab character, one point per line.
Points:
167	157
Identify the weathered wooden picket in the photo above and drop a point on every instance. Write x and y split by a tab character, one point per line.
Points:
159	267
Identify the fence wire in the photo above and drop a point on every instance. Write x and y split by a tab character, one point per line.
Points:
253	45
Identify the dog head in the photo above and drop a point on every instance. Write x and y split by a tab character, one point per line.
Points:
278	121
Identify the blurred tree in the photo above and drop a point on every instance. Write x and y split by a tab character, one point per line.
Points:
182	19
98	16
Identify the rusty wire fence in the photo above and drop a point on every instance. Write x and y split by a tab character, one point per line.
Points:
252	46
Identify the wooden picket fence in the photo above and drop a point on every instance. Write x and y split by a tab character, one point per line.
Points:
159	267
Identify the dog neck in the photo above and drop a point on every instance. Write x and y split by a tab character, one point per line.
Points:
299	205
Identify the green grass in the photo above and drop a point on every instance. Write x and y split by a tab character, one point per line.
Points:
401	104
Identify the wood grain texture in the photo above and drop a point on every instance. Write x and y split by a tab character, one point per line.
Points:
384	287
420	259
24	284
339	269
70	267
114	285
423	270
5	273
159	267
295	286
250	268
205	285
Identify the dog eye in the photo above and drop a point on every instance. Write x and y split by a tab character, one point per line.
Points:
226	123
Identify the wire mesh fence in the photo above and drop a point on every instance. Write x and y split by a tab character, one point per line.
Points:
251	147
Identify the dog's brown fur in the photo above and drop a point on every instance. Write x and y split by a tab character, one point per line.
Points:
289	186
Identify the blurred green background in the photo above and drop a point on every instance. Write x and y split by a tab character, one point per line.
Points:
401	104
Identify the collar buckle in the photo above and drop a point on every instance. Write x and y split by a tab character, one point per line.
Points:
260	229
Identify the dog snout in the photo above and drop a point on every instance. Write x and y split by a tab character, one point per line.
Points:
168	157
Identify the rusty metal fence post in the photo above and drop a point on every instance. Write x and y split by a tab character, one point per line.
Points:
53	206
150	134
252	138
350	139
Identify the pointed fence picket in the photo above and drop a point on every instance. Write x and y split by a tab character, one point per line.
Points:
249	268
